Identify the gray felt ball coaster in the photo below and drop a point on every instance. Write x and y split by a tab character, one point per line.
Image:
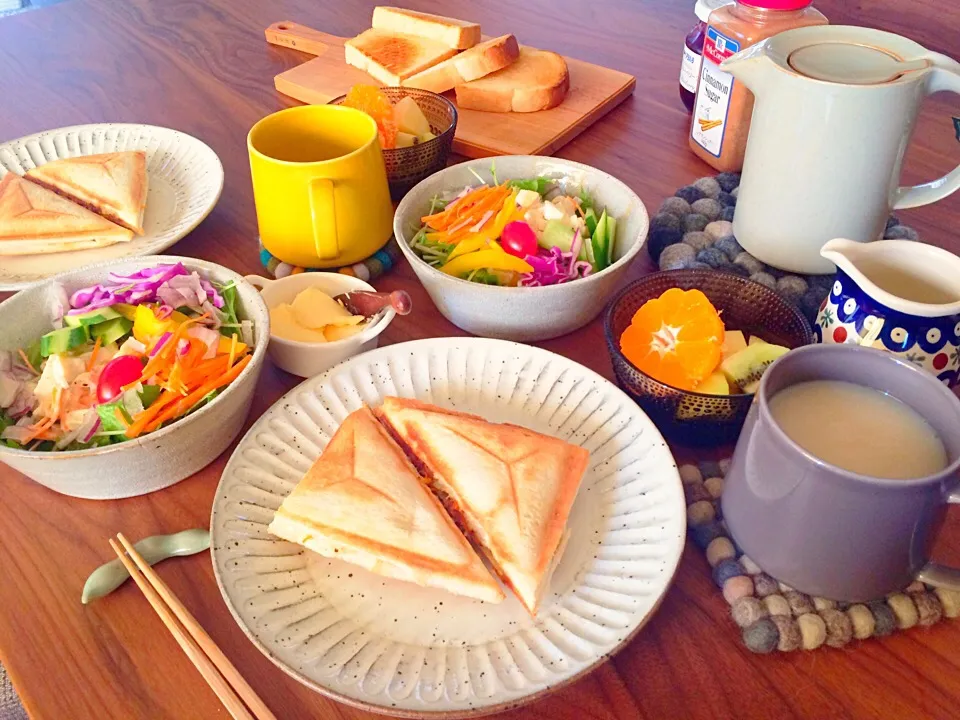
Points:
773	616
693	229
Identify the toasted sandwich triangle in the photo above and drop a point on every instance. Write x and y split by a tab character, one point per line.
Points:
512	487
36	220
112	184
364	502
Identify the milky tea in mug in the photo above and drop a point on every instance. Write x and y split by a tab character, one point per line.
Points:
859	429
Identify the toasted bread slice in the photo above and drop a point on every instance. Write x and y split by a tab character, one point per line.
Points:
364	503
37	221
393	57
472	64
511	488
538	80
113	185
457	34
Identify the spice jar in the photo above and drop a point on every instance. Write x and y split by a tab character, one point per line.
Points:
693	51
723	107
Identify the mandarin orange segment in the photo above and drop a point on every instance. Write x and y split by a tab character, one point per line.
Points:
676	338
374	103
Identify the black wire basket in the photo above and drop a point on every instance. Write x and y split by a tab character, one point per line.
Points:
688	417
408	166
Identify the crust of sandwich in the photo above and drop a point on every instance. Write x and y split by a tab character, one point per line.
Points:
359	545
472	64
35	221
119	194
538	80
457	34
393	57
527	580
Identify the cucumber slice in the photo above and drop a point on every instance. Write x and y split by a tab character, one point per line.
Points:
62	340
590	218
94	317
611	239
556	234
111	330
600	241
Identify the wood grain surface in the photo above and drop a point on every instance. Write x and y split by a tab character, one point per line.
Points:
204	68
594	91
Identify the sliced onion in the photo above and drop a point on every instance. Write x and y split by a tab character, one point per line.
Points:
575	249
92	430
210	339
483	221
246	332
163	312
160	343
17	433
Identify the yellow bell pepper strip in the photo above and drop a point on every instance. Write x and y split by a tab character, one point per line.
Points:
146	325
483	259
127	311
478	242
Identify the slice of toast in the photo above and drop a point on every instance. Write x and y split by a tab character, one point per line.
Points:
473	64
457	34
393	57
538	80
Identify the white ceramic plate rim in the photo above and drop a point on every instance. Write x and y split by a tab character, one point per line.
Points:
676	549
156	246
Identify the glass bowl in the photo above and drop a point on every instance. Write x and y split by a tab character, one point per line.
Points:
408	166
688	417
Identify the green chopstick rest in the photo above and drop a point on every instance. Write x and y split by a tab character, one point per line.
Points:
109	576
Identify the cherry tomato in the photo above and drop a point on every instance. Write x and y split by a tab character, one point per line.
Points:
518	239
117	373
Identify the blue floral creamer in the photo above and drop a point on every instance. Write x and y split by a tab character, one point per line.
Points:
871	277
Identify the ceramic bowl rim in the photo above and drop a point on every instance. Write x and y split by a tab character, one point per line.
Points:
260	349
624	261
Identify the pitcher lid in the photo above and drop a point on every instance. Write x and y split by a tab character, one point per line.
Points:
850	63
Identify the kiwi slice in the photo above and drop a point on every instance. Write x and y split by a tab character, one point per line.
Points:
745	368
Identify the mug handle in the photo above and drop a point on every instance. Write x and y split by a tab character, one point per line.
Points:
324	216
257	281
945	75
941	575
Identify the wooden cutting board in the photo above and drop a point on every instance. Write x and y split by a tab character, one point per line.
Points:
594	91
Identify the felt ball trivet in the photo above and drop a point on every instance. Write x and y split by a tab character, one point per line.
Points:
773	616
694	229
380	263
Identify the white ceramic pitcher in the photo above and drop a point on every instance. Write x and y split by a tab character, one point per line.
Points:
835	107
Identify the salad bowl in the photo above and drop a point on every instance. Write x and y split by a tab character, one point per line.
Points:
155	459
524	314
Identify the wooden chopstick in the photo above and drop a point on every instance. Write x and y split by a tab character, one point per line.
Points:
230	686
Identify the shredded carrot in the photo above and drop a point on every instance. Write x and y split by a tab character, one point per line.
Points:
119	415
449	212
27	362
93	354
142	419
197	395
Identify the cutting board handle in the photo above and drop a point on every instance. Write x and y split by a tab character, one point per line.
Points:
299	37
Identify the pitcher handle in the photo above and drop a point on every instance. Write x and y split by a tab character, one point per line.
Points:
942	575
945	75
324	215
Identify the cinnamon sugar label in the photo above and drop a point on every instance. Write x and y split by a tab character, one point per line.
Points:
713	94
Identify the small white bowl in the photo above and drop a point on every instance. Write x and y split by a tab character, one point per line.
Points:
524	314
155	460
309	359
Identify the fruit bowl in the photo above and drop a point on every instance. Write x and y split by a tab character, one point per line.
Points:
689	417
406	166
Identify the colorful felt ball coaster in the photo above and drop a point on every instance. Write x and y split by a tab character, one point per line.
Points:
694	229
380	263
773	616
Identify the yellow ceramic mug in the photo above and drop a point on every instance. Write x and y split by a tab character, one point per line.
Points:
320	185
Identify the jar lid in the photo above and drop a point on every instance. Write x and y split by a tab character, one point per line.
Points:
705	7
777	4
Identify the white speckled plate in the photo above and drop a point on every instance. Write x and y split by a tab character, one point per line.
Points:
398	648
185	178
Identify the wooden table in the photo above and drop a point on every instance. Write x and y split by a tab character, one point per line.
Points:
204	68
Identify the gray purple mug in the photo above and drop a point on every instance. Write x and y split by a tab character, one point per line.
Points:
826	531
